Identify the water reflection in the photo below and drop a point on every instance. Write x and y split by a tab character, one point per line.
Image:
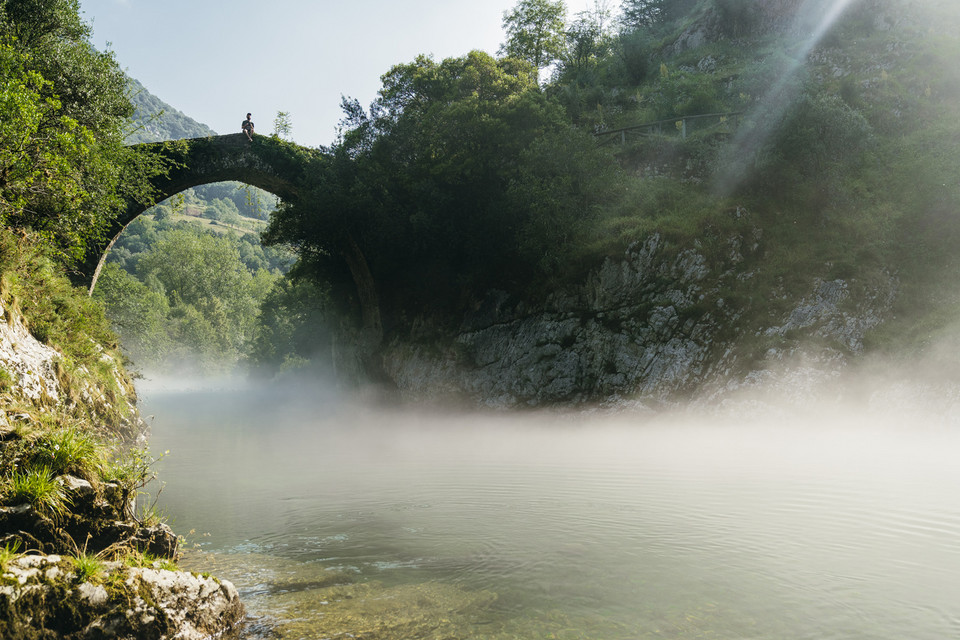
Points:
332	518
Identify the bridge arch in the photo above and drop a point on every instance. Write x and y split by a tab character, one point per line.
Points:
268	163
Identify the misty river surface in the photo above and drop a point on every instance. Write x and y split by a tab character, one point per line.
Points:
338	520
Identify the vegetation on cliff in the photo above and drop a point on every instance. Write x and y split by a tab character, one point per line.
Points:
469	174
64	169
78	557
154	120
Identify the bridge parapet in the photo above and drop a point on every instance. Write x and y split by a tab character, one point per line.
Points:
268	163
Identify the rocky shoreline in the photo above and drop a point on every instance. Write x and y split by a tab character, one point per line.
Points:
50	596
78	559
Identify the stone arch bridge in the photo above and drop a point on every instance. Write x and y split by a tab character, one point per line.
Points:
268	163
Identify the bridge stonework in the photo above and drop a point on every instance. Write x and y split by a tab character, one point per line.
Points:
268	163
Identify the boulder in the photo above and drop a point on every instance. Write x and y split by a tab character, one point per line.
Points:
42	597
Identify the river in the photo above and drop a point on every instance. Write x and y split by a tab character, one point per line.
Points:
345	519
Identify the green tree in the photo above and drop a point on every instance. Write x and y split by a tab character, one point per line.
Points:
535	31
214	299
64	170
423	186
282	125
420	182
295	317
564	186
737	18
589	37
643	14
138	314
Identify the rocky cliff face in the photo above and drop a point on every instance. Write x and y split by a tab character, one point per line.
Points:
652	327
33	373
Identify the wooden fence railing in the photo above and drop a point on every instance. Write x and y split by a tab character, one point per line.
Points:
681	126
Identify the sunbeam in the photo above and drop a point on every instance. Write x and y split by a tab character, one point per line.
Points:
765	117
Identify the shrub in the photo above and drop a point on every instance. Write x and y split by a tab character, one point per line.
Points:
70	450
637	52
7	381
132	469
738	18
38	488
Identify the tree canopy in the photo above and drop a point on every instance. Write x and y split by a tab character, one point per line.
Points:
64	170
432	184
535	31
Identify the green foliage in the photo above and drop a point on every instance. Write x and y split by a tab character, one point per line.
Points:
565	186
131	468
282	125
70	450
425	185
155	120
223	210
250	202
204	273
65	171
819	143
137	312
638	15
294	325
737	18
37	487
147	560
535	31
65	317
589	39
186	297
7	381
54	310
87	567
9	553
637	51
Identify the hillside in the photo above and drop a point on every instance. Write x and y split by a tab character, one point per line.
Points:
154	120
517	263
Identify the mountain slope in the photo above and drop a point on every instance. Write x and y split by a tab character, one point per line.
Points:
155	120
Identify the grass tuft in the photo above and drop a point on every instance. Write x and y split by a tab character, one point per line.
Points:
8	553
70	450
40	489
87	567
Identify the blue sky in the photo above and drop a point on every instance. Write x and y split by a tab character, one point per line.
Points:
215	61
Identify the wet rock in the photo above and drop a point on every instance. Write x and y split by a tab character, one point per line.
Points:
24	525
41	599
79	492
158	540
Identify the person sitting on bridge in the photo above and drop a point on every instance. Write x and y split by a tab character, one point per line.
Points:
247	127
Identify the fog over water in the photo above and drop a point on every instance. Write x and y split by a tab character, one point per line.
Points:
804	521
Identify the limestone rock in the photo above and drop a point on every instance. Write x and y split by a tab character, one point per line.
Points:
650	327
158	540
636	325
42	598
29	362
80	493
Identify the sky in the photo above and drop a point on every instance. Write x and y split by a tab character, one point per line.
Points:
215	61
